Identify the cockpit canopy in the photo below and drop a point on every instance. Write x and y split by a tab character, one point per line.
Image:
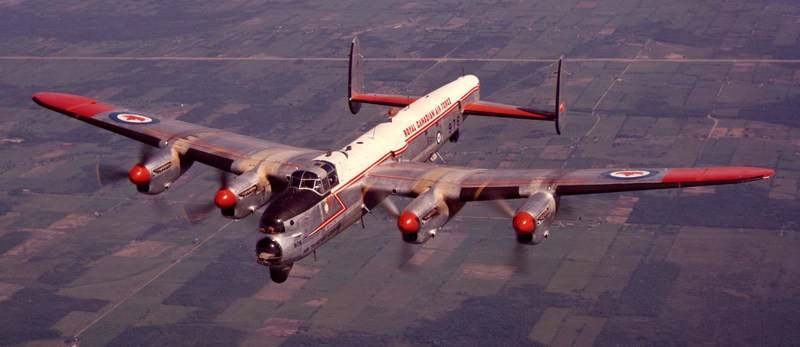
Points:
320	178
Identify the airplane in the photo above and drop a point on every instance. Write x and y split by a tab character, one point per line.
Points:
311	196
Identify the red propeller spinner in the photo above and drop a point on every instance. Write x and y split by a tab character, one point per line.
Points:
524	224
408	222
225	199
139	175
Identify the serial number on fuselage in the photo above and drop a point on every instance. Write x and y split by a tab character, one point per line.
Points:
436	111
335	230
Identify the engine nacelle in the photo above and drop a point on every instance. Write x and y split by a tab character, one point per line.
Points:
423	217
244	194
533	218
157	173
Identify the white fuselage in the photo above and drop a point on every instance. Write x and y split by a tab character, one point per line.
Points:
413	134
395	136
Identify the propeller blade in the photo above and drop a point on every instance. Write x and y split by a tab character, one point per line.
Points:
567	208
224	179
404	253
390	207
503	207
198	212
109	174
519	257
251	222
145	152
162	208
195	213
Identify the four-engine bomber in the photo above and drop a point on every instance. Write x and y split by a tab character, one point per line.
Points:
310	196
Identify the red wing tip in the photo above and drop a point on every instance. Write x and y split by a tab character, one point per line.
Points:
754	172
74	105
60	100
37	98
717	174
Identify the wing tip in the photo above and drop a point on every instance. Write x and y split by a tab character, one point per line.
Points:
41	98
726	174
70	104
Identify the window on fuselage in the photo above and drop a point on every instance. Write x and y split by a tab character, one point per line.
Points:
307	180
295	178
332	177
308	183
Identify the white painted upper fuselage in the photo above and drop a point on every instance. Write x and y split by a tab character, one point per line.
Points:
412	134
392	138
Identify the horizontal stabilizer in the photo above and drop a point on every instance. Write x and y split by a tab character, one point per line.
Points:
491	109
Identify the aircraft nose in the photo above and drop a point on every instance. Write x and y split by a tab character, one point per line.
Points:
271	225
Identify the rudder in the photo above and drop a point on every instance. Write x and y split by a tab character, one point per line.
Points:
561	108
355	81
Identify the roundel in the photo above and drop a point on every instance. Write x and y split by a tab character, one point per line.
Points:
438	137
629	174
132	118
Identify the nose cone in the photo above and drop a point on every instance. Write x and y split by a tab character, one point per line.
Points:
225	199
139	175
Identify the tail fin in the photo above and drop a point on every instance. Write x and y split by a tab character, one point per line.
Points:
355	83
355	86
561	108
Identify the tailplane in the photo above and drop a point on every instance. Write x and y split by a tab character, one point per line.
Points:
556	115
357	96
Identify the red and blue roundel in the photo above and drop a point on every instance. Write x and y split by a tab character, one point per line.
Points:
628	174
131	118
